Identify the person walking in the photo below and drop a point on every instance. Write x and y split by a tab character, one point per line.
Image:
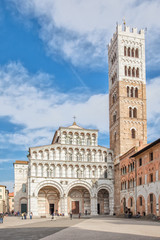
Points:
31	215
79	214
71	215
22	215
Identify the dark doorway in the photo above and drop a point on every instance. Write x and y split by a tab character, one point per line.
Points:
51	208
98	208
75	207
23	208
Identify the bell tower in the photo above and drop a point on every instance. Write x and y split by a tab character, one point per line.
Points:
127	90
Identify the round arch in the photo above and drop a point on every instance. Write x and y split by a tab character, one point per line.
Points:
23	204
50	183
79	184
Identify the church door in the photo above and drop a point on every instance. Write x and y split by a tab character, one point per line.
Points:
23	208
75	207
51	209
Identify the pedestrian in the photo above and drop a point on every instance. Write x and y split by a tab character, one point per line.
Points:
71	215
25	217
79	214
22	215
31	214
52	218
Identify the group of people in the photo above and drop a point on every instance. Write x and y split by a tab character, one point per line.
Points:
24	215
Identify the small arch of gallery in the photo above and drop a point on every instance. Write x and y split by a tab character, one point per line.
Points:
77	199
63	170
72	154
143	206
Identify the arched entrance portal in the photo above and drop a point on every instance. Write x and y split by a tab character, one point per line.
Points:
79	200
103	202
48	201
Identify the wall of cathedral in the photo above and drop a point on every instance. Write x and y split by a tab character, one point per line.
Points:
20	184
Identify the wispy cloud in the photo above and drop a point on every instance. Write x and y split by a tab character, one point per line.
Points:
79	30
41	111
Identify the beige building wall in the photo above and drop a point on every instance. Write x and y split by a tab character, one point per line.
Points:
4	202
11	202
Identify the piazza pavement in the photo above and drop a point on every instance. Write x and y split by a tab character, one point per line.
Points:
99	228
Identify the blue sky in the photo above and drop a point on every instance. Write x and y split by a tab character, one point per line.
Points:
53	65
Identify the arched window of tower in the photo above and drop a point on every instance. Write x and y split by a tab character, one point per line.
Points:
137	53
132	90
132	52
133	133
137	72
125	70
129	52
130	112
125	51
129	71
128	92
136	92
135	112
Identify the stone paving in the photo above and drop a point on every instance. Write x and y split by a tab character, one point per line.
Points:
101	228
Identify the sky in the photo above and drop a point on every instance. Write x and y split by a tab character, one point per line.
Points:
53	65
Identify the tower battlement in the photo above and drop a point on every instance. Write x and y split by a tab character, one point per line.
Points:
128	31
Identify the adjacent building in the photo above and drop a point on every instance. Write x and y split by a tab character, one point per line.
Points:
11	202
4	200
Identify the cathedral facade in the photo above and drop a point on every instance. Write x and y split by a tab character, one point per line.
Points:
73	173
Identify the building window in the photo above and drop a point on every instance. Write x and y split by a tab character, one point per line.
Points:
129	71
105	174
115	136
140	162
0	196
140	180
135	112
114	117
136	92
151	197
133	133
125	50
131	202
151	156
132	90
12	200
136	53
137	72
151	177
133	72
140	201
132	52
130	112
0	190
129	52
127	91
125	70
23	187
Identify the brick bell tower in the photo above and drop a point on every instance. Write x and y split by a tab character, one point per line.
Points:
127	90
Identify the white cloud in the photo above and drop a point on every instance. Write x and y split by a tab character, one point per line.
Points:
80	30
41	111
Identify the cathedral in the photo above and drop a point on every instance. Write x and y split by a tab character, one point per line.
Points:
75	174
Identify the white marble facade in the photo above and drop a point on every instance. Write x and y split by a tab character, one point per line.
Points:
73	173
